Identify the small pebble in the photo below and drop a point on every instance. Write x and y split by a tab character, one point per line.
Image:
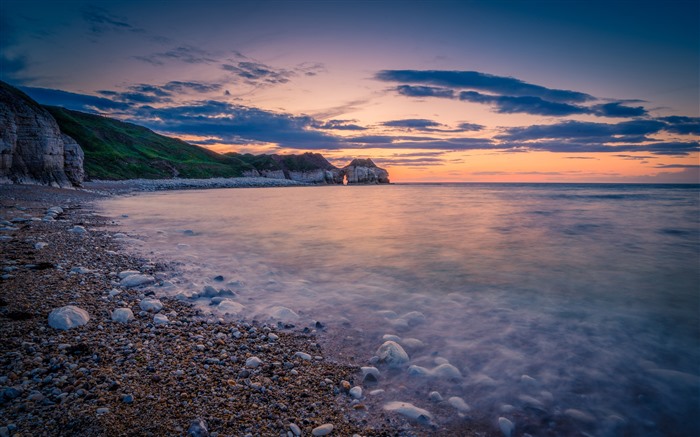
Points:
324	429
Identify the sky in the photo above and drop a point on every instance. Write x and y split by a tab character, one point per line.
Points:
433	91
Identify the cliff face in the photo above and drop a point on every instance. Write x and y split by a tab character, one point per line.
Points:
32	148
365	171
314	168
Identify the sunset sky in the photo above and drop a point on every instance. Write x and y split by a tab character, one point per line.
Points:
470	90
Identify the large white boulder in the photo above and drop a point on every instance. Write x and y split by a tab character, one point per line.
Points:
68	317
122	315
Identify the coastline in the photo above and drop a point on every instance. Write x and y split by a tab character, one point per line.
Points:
144	378
140	378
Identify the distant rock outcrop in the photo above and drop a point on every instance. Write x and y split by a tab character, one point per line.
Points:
364	171
32	148
314	168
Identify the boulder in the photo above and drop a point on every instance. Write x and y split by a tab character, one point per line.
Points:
392	354
68	317
122	315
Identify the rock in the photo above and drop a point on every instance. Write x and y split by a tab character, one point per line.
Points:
418	371
68	317
392	354
80	270
446	371
391	337
123	274
150	304
356	392
209	291
295	429
32	148
253	362
122	315
506	426
160	319
77	230
103	410
137	280
198	428
459	404
303	355
411	343
283	313
40	245
435	396
73	157
55	210
324	429
219	278
369	374
363	171
128	399
227	306
409	410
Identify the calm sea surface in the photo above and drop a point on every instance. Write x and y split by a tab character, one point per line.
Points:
566	308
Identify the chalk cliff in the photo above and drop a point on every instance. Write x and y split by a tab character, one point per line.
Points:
32	147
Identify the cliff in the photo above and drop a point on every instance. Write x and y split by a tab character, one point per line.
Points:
32	148
314	168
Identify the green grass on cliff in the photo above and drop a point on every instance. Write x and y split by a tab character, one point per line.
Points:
118	150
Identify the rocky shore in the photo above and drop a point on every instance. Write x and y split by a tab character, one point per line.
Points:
135	363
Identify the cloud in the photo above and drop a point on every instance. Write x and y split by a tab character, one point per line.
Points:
682	125
339	125
11	65
617	109
634	130
673	148
470	127
149	94
696	166
185	53
523	104
101	21
475	80
413	123
257	72
79	102
424	91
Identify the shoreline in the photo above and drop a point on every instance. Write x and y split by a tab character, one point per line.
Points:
110	378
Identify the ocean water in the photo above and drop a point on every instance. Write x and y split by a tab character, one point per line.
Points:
568	309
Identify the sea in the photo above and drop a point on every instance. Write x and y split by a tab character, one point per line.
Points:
568	309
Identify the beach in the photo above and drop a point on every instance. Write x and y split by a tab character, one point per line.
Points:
149	376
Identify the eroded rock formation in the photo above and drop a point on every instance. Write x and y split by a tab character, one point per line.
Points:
32	148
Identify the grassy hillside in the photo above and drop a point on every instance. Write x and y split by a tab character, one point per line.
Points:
303	162
118	150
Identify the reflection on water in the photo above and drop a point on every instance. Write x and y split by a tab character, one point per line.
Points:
566	308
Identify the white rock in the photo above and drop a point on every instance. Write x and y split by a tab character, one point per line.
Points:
435	396
392	354
446	371
295	429
356	392
160	319
80	270
122	315
78	230
119	235
123	274
253	362
459	404
227	306
391	337
506	426
413	318
283	313
409	410
412	343
40	245
150	304
55	210
376	392
68	317
137	280
418	371
303	355
324	429
113	292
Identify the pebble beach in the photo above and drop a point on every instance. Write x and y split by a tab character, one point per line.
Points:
90	348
